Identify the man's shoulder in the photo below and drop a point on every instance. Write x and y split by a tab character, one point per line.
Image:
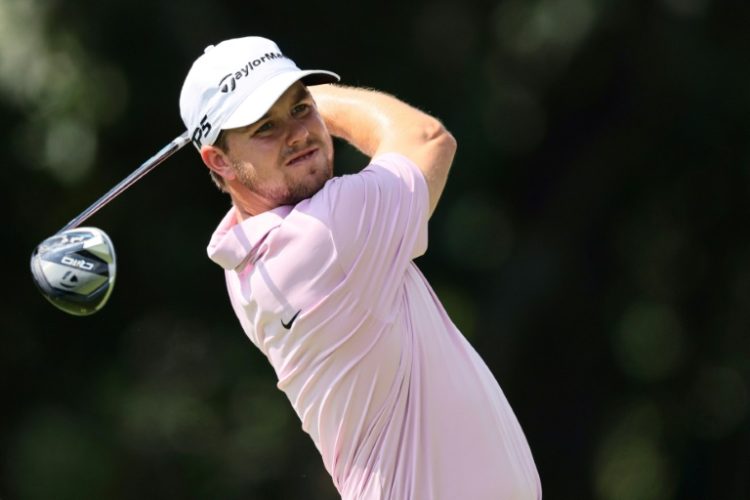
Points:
382	168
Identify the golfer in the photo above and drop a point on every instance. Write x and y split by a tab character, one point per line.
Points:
320	274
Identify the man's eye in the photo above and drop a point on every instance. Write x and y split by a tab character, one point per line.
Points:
267	126
300	109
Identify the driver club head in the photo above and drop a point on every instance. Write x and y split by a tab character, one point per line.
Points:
75	269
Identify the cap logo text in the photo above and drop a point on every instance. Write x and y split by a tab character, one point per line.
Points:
201	131
229	82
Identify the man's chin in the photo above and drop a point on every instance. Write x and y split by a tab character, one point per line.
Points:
307	189
319	174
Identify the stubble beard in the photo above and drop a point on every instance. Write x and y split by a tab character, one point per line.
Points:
292	189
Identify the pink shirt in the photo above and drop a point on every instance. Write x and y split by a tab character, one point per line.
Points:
398	403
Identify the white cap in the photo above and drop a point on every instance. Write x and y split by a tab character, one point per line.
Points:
235	83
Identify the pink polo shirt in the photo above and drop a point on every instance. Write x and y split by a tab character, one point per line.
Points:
398	403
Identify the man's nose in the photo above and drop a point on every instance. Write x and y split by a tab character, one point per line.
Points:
298	132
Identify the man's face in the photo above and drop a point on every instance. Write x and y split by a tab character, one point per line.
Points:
286	156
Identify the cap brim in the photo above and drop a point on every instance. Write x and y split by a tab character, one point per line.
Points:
260	101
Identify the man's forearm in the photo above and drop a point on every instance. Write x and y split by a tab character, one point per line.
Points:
375	122
363	117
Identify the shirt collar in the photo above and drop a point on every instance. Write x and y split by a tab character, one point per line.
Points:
233	241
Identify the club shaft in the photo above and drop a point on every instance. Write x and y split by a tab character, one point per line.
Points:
147	166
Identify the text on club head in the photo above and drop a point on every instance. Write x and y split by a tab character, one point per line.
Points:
77	263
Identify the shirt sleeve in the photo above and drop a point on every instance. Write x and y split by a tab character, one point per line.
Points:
379	223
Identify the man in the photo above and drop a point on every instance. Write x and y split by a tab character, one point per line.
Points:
319	272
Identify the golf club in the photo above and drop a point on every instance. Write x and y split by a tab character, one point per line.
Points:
75	268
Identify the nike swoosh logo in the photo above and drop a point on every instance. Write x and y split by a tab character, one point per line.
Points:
289	325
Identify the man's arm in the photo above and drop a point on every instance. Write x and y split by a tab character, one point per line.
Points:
375	123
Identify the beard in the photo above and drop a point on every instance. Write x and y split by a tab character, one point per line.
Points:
293	187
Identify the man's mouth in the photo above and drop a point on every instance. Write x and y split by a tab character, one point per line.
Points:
302	156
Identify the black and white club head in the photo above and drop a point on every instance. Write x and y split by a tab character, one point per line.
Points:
75	269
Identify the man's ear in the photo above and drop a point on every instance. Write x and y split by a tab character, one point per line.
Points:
217	161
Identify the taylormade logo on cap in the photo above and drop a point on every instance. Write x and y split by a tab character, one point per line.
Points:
228	83
235	82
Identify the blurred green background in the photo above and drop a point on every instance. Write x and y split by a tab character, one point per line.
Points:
592	242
